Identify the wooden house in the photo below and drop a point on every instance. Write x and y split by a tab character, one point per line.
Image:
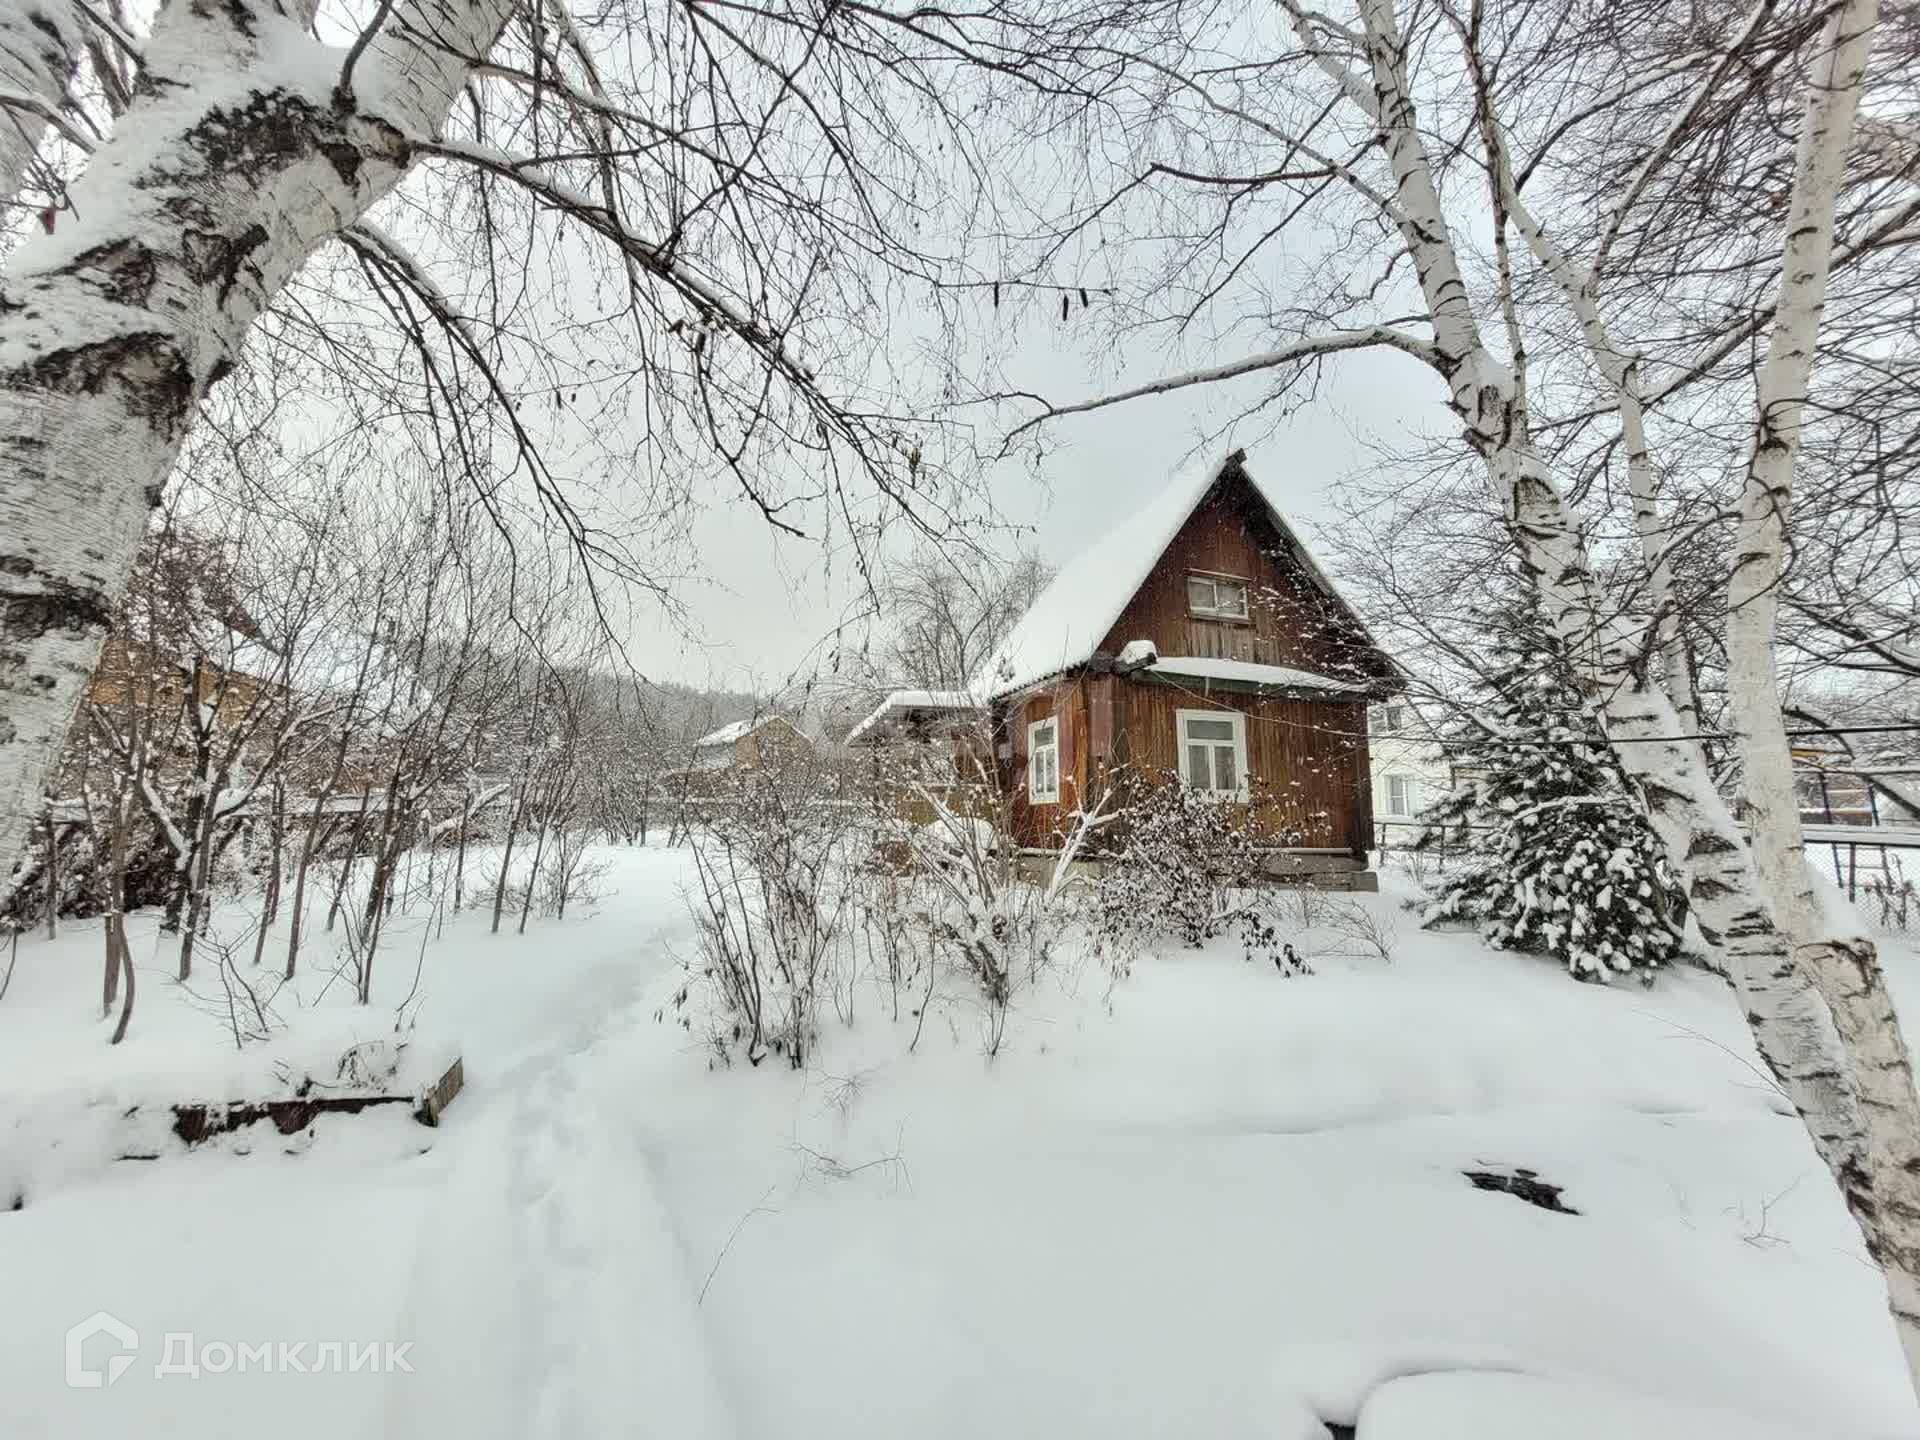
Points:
751	744
1196	644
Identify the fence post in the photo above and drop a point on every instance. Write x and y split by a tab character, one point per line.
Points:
53	876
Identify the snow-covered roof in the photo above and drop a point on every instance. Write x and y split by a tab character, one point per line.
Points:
905	702
1073	614
1245	672
740	729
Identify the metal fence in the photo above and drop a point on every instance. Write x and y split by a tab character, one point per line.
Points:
1874	865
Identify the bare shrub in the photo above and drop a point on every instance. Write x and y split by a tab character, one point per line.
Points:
567	877
981	917
774	891
1186	868
1896	902
1352	928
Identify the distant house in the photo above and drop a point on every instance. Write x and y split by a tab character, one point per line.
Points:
750	744
1198	644
1410	769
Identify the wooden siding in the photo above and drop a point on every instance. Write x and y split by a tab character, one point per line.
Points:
1291	620
1306	759
1043	824
777	742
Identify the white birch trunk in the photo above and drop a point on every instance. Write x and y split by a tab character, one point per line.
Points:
238	158
1620	370
1753	588
1842	963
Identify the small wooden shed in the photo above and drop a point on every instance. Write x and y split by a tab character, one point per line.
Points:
751	744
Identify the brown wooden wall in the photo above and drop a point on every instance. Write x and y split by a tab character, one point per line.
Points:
1043	825
1306	759
1292	621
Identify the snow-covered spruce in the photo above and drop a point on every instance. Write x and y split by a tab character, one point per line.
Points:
1559	856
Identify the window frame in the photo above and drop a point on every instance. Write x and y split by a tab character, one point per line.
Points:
1238	719
1405	809
1242	616
1035	795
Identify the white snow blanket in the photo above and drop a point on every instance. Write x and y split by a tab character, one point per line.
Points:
1205	1200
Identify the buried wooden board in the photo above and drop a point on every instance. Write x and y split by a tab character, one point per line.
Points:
194	1123
440	1094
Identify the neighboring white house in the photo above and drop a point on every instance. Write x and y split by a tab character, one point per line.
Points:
1410	770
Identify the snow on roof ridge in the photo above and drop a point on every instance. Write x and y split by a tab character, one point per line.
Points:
1073	614
739	729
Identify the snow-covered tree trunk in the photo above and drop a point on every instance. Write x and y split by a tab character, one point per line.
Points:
40	46
241	154
1753	587
1842	963
1620	371
1820	1013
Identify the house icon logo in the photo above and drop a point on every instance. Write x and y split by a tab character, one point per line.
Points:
82	1377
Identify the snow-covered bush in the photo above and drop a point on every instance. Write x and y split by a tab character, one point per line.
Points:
775	886
985	919
1557	853
1182	867
83	880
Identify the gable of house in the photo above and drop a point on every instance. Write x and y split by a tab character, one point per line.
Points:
1292	619
746	744
1133	584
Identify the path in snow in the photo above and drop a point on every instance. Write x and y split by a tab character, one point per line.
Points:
550	1291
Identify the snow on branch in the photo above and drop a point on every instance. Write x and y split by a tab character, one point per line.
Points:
652	256
1373	337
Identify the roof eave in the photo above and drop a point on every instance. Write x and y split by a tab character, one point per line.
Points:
1264	689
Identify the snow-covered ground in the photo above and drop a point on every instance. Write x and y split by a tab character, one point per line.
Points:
1205	1201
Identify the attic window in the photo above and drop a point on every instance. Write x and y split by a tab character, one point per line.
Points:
1217	597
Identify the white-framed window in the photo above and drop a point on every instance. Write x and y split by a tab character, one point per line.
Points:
1389	719
1402	795
1213	752
1217	597
1043	761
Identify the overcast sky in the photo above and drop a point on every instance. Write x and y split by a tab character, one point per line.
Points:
770	603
